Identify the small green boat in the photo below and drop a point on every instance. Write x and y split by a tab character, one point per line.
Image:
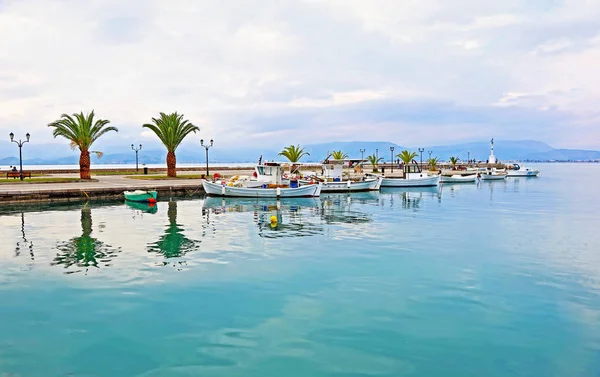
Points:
141	196
144	207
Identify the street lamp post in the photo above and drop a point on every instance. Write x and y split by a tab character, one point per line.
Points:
136	155
469	158
377	154
362	155
20	144
392	153
207	146
421	150
430	152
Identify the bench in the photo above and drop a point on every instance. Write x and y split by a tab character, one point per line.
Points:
16	174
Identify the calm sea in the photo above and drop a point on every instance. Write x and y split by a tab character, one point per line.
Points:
496	279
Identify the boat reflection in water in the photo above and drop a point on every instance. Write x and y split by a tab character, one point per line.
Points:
286	217
340	208
408	197
173	243
143	207
80	253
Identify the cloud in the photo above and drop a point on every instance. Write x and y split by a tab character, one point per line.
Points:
273	73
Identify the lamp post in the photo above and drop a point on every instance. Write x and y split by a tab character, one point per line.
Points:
421	150
392	155
136	155
469	158
377	154
430	152
20	144
362	155
207	146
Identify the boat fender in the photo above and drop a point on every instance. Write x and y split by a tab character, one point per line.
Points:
278	191
151	200
223	190
348	183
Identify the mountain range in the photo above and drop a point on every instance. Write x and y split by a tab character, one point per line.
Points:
522	150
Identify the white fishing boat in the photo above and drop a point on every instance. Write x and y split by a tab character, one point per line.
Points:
458	178
332	178
274	187
413	177
493	175
522	171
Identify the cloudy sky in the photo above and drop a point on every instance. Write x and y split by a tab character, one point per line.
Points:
258	72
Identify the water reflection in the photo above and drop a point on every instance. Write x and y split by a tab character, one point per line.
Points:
295	217
173	243
141	208
408	197
84	251
343	208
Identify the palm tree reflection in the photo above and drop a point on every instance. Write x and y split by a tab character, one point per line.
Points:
173	243
84	251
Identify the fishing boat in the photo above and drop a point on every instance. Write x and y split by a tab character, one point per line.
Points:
270	185
493	175
413	177
522	171
141	196
458	178
332	179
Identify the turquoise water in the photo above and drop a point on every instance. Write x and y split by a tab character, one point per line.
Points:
496	279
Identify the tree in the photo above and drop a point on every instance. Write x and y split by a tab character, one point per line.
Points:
339	155
293	153
433	163
406	156
374	161
454	161
171	129
82	131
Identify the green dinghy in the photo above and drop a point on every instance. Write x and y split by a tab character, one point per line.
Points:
141	196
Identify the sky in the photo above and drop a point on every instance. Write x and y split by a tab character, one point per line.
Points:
270	73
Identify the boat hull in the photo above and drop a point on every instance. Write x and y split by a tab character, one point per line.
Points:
519	173
372	184
493	177
413	182
458	179
217	189
140	196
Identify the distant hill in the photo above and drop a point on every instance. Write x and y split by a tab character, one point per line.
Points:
522	150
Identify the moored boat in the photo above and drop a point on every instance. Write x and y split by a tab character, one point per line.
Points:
333	181
492	175
413	177
458	178
522	171
220	189
141	196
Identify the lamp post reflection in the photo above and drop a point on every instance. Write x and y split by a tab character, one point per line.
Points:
24	243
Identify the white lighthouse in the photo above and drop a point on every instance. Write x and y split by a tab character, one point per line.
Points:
492	158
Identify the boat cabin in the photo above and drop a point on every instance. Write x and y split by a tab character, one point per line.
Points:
412	171
334	169
268	173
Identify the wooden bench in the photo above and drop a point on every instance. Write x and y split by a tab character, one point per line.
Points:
16	174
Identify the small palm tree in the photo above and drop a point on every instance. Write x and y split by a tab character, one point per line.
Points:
433	163
82	131
406	156
293	153
454	161
171	129
338	155
374	161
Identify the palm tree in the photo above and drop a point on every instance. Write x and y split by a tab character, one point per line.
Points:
374	161
433	163
293	153
82	131
339	155
454	161
406	156
171	129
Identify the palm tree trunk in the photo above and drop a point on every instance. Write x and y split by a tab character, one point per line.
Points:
171	164
84	165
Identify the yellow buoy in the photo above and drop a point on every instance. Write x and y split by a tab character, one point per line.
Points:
273	219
